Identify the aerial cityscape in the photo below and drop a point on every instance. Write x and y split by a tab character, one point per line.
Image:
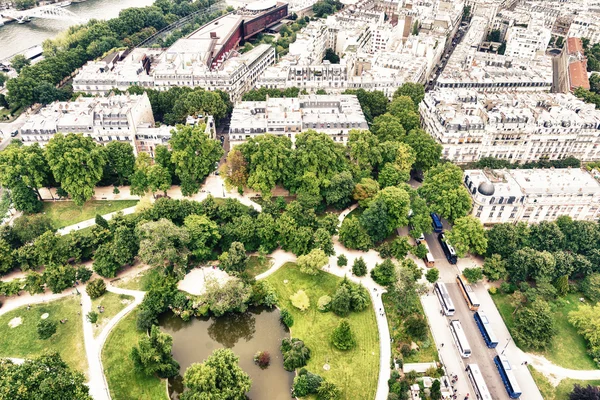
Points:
299	199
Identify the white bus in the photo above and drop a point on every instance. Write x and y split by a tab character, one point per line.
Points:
444	297
476	379
460	338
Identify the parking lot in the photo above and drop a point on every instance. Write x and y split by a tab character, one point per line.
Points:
480	353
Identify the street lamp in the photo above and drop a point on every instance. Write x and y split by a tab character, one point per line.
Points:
507	342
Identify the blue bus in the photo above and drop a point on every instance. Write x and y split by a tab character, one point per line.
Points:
483	323
508	378
436	222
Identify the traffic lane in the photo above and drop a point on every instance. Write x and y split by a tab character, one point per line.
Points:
480	353
449	356
511	351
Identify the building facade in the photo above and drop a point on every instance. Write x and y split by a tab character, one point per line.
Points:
333	115
533	195
514	126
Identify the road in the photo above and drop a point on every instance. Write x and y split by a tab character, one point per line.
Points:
481	354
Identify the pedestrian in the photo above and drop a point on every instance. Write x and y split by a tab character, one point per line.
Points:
525	363
442	344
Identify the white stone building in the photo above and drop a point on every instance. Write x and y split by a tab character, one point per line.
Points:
515	126
333	115
123	118
533	195
527	43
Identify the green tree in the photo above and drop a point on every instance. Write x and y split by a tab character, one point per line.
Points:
152	355
3	78
359	268
29	227
331	56
420	251
353	235
19	62
236	169
427	151
416	327
59	277
287	318
342	260
342	337
46	328
432	275
77	163
295	353
534	325
306	383
44	377
163	244
24	166
328	391
204	235
587	322
338	190
420	218
468	235
473	275
591	287
158	178
312	262
415	91
365	191
444	192
400	247
24	199
233	296
385	273
505	239
235	259
120	161
322	240
194	155
388	128
546	236
341	301
435	391
494	267
219	377
96	288
268	159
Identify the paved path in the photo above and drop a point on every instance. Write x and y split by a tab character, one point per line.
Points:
555	373
93	346
279	257
92	221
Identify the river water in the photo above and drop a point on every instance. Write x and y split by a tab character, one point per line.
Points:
15	37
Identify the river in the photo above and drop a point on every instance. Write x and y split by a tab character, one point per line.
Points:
15	37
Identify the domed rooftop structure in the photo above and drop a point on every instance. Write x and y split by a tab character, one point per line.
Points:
486	188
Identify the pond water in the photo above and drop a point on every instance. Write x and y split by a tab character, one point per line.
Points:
258	329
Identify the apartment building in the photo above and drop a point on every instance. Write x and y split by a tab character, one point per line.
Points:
515	126
533	195
333	115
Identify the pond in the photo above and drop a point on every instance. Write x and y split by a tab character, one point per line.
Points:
258	329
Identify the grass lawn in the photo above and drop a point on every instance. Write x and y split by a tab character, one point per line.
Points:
124	382
112	303
355	372
357	212
562	391
427	351
65	213
140	281
22	341
255	267
568	348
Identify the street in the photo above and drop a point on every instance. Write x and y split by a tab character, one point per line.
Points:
480	353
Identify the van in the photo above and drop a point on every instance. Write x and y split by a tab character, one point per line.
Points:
436	223
429	260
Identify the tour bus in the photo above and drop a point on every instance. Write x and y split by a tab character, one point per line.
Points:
508	378
478	383
460	338
444	297
468	293
483	323
436	222
449	251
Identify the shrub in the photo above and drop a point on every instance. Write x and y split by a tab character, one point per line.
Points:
306	383
295	353
324	303
591	287
92	317
287	318
342	261
342	337
263	294
300	300
262	359
46	328
359	268
506	288
328	391
359	297
416	327
492	290
96	288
